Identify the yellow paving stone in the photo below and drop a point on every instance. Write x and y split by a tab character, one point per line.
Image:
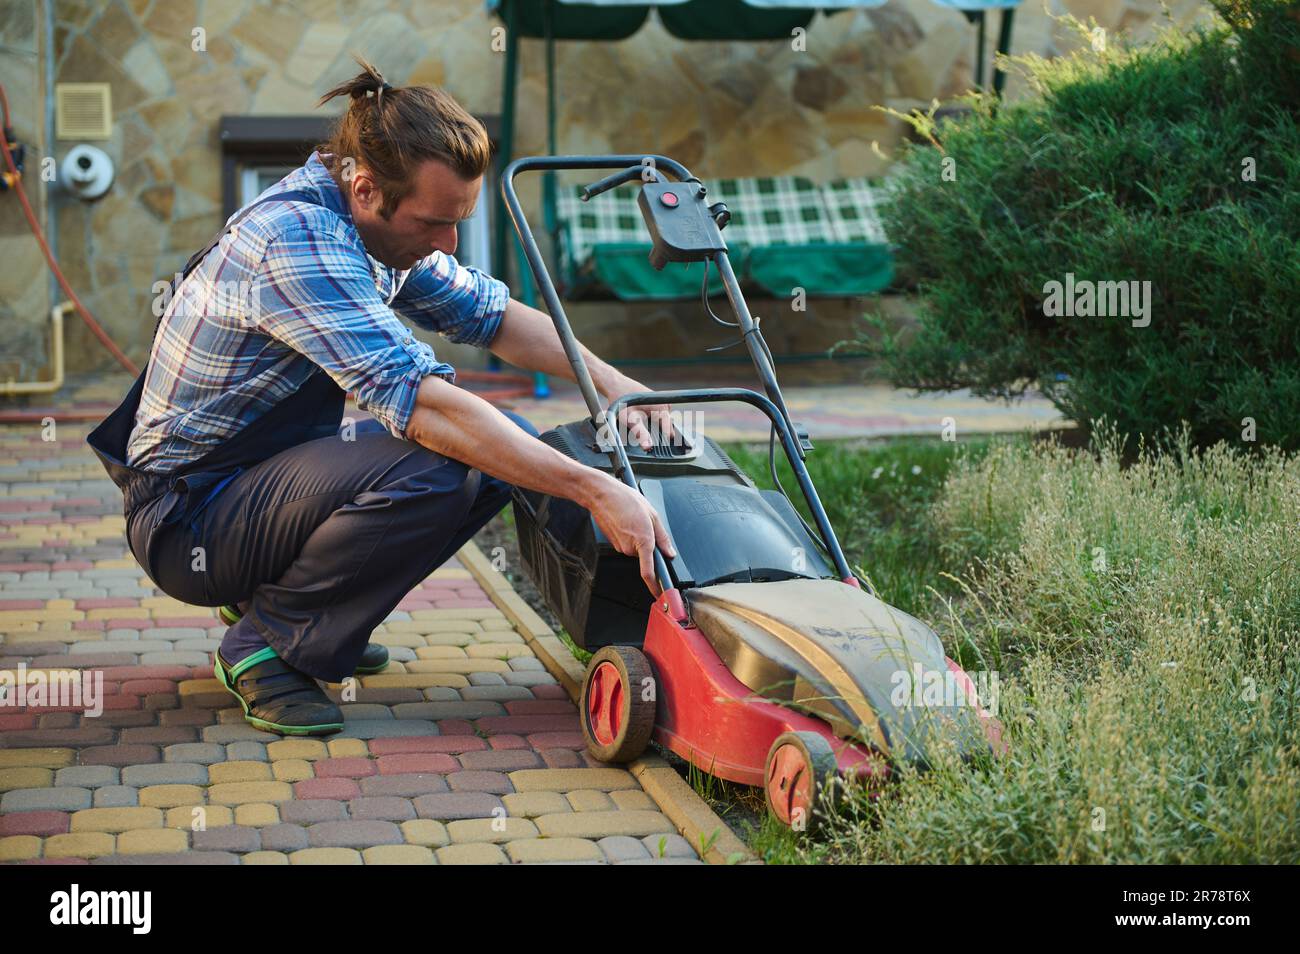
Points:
590	800
292	770
398	855
425	831
441	652
458	614
634	801
325	856
170	796
498	622
37	758
451	573
264	858
553	849
257	815
118	612
61	604
39	633
347	748
532	804
166	602
426	627
83	844
13	629
116	819
149	840
196	687
122	564
571	780
458	665
19	847
447	639
480	853
239	772
199	817
27	616
420	680
11	778
603	824
497	650
430	626
409	640
309	749
238	793
496	829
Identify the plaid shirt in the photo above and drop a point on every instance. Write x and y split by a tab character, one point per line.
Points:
289	289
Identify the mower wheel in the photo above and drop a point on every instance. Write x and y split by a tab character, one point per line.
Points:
800	766
617	719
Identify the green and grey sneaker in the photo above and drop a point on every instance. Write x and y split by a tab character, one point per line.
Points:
374	659
276	697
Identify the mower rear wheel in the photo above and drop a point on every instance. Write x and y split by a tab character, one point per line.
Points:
800	767
617	716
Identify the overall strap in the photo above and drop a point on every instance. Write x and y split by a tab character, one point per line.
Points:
196	259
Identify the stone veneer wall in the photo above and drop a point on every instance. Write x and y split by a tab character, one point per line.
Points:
722	108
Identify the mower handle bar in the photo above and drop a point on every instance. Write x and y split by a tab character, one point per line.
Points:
632	166
789	443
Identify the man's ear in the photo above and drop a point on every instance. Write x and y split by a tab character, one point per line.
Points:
365	192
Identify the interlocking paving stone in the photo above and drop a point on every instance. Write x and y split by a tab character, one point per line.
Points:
173	773
116	796
307	811
554	850
88	776
42	823
228	838
203	753
405	786
454	805
257	814
382	808
353	834
425	831
622	848
398	855
480	853
387	729
283	837
66	799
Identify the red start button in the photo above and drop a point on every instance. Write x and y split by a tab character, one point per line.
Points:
669	199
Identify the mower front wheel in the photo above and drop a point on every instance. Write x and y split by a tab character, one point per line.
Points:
800	766
618	704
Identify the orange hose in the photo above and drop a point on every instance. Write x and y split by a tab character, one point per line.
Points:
91	323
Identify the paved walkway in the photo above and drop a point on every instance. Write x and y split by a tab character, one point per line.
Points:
467	750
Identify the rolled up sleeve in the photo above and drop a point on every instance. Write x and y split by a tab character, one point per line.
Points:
322	302
460	302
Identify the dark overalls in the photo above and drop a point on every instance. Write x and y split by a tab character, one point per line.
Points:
320	530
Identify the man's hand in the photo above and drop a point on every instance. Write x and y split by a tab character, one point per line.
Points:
641	421
632	526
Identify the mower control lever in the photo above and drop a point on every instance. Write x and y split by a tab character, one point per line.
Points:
617	179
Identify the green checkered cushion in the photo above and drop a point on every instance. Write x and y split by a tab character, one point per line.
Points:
852	208
611	218
779	210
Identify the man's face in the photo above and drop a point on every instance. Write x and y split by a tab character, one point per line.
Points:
425	219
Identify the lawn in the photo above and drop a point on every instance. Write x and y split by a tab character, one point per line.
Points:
1141	616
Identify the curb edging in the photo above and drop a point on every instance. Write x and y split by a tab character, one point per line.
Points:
695	820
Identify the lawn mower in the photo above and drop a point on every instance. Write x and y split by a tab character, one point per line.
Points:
766	661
